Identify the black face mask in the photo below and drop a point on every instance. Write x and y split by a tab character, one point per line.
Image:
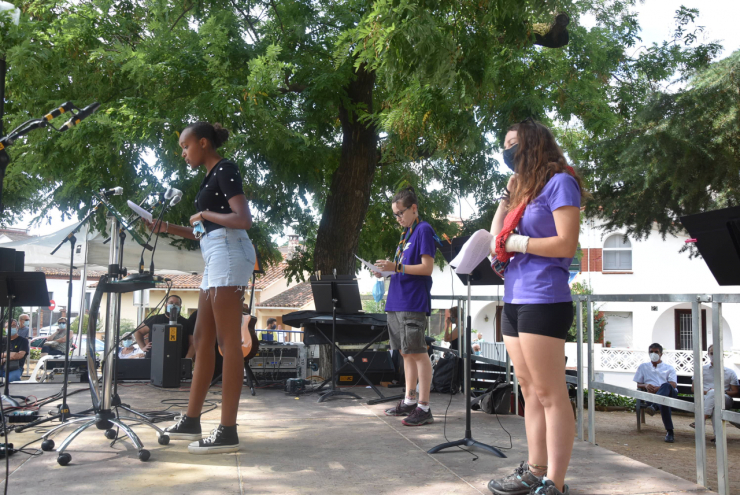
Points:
509	156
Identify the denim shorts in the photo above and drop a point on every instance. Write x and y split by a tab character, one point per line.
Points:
229	257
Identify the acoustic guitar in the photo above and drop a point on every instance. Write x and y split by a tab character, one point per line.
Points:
250	342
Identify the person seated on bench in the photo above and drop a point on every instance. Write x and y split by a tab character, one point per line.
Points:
56	343
657	377
19	350
731	389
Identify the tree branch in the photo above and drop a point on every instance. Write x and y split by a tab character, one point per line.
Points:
189	7
292	87
277	14
253	34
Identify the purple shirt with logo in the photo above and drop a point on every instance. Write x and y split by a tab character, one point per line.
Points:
532	279
413	292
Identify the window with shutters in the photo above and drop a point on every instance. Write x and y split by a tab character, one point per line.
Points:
617	254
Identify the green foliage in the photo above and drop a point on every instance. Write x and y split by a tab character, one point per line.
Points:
449	78
85	319
582	288
606	399
35	354
126	326
370	306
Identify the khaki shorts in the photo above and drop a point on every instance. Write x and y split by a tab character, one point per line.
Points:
407	331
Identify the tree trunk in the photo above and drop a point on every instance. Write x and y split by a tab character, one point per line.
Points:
349	193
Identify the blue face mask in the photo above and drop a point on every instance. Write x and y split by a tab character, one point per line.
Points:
128	343
13	331
62	326
25	323
171	307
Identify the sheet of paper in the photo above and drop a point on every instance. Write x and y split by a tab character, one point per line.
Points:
374	268
140	211
472	253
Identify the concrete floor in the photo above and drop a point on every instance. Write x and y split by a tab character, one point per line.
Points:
291	445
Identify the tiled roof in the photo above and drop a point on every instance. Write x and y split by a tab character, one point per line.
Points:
60	272
185	281
15	234
271	275
296	297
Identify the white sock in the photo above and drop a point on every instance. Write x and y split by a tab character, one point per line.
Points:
424	407
409	402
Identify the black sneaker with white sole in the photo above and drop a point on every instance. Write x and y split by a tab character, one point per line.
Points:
418	417
401	409
185	429
223	439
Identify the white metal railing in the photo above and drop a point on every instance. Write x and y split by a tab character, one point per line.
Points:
493	350
697	407
622	359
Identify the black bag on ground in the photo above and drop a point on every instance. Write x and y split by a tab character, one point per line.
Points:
497	399
444	379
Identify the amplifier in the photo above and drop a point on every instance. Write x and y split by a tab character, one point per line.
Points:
141	369
376	365
280	360
77	366
166	342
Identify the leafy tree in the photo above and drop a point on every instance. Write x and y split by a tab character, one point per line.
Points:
333	105
582	288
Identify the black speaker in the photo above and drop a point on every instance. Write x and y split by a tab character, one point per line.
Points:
166	351
376	365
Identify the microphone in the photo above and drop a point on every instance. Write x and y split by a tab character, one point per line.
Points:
169	193
80	116
176	199
66	107
116	191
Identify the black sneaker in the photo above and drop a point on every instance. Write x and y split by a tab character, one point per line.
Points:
401	409
520	482
547	487
418	417
669	437
185	429
223	439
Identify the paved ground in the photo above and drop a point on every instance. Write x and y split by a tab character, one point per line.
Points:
296	446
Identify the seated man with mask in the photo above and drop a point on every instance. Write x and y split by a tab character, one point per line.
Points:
128	351
174	303
24	327
731	389
19	350
56	343
657	377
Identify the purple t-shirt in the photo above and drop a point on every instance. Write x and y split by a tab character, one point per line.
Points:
532	279
413	292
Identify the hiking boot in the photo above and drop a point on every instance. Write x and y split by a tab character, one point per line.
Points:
651	410
547	487
185	429
401	409
223	439
669	437
520	482
418	417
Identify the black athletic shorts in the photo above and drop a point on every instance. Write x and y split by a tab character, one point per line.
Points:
550	320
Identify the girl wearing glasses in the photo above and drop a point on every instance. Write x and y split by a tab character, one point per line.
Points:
223	213
408	305
545	194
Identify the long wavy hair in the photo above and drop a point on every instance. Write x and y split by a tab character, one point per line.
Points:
537	159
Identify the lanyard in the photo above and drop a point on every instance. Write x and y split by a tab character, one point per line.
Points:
404	238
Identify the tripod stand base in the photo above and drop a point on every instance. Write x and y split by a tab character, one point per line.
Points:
389	398
467	442
337	393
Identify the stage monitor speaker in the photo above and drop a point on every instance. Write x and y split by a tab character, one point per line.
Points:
166	351
141	369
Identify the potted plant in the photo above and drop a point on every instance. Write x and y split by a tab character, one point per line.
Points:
608	344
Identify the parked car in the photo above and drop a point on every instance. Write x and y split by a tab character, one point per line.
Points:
46	331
